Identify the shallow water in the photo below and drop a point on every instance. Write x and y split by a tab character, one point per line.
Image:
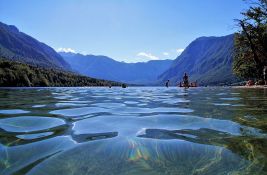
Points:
139	130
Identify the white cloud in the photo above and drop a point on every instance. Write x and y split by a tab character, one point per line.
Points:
165	53
179	51
61	49
148	55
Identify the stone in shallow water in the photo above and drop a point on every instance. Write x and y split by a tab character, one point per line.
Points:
96	125
29	123
140	156
38	106
222	104
109	105
76	101
69	104
131	102
231	99
143	110
20	157
13	111
176	109
34	136
78	111
90	137
175	101
238	105
128	125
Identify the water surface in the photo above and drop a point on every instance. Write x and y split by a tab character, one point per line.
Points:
142	130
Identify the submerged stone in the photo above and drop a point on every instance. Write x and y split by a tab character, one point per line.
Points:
29	123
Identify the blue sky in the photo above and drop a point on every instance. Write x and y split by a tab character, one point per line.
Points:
126	30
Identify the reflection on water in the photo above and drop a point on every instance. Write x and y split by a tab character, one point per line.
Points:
140	130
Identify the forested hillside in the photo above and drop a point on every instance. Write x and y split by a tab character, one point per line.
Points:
15	74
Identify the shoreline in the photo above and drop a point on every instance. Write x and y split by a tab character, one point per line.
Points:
251	87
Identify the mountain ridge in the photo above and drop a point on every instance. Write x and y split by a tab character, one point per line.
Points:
18	46
107	68
27	62
207	60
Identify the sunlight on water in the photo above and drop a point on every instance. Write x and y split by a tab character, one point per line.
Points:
143	130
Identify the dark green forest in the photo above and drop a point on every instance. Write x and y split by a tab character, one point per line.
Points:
16	74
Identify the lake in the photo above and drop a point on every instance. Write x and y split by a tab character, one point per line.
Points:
138	130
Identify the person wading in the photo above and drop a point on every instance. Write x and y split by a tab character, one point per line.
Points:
167	83
185	79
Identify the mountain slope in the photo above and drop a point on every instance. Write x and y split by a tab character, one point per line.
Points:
207	60
106	68
17	46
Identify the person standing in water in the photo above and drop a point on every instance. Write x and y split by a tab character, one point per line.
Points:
265	75
185	79
167	83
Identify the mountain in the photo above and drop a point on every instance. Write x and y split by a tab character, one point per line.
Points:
17	46
24	61
106	68
207	60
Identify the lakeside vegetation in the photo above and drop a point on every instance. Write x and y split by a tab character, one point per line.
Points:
16	74
250	60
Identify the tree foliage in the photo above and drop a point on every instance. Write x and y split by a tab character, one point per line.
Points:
251	41
16	74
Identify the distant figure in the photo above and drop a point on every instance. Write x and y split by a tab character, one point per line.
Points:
167	83
250	83
185	79
109	85
180	84
193	84
123	85
265	75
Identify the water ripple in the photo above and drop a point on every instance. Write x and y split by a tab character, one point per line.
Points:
138	130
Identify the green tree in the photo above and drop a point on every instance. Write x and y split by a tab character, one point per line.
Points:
251	41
